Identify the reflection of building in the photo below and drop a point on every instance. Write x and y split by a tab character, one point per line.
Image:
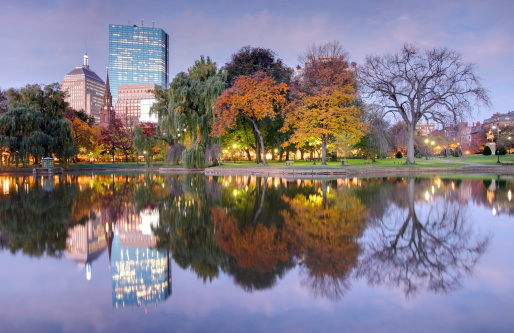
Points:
134	103
140	274
84	89
137	55
85	243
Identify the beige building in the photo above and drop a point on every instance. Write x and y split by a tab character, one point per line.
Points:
500	119
85	90
134	102
425	128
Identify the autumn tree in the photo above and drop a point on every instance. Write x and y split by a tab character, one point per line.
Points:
116	136
250	60
324	98
416	84
84	136
253	98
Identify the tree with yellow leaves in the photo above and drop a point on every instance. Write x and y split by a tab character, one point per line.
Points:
324	98
252	97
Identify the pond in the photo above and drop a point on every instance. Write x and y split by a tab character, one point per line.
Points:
191	253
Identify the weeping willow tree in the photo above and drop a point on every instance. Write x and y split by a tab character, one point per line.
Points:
144	140
185	110
35	125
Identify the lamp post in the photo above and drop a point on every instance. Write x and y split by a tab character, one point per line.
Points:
426	155
497	143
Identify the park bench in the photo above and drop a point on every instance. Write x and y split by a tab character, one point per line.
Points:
507	163
289	162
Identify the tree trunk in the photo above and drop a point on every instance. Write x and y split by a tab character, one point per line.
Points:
410	144
257	147
324	150
287	154
261	139
262	200
247	151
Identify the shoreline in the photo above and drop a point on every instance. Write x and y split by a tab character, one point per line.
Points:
298	172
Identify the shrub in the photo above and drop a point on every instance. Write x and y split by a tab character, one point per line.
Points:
447	152
399	154
502	150
487	151
457	152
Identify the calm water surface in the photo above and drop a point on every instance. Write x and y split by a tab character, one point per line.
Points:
189	253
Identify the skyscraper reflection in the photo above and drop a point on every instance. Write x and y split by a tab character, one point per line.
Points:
140	273
85	243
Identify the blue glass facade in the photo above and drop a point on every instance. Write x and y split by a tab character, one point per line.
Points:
137	55
140	275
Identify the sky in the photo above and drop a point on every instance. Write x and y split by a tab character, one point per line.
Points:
42	41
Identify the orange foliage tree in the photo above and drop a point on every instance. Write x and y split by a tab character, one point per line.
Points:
252	97
256	246
324	99
323	230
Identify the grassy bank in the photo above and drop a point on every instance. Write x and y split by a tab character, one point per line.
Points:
467	160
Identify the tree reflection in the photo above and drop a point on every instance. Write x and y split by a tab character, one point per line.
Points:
257	251
412	250
185	225
35	213
324	229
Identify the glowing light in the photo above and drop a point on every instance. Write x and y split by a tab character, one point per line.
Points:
433	190
427	195
509	195
494	211
235	193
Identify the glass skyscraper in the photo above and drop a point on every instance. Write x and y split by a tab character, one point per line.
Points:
137	55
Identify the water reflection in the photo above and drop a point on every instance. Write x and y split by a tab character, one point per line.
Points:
401	232
416	244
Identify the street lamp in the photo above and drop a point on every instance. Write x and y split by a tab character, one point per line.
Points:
497	143
426	155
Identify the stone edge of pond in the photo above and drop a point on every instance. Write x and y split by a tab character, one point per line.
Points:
352	171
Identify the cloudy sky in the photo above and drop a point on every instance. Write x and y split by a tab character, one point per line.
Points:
41	41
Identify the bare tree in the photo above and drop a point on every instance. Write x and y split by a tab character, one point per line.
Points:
414	84
434	250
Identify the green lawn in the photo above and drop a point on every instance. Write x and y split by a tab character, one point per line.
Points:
385	163
299	164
